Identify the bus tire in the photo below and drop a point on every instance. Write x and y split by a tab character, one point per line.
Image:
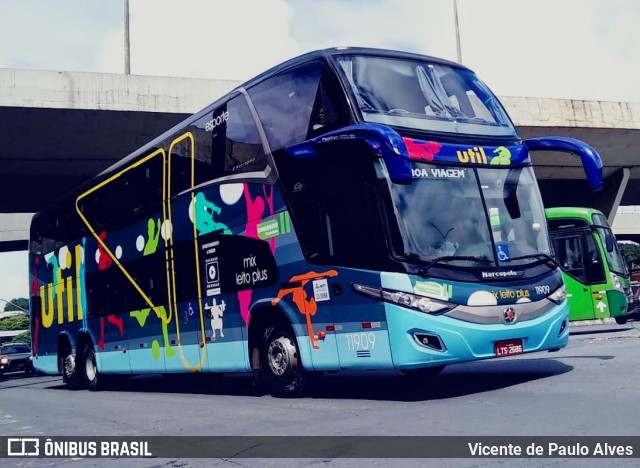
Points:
92	378
70	371
424	372
282	368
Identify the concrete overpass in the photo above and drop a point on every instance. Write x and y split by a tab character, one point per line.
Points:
626	226
60	128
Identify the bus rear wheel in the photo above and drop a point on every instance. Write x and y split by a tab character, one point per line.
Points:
283	371
92	377
70	371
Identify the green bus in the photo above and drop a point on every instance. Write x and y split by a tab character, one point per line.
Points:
594	271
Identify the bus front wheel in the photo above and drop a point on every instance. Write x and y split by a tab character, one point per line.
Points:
283	371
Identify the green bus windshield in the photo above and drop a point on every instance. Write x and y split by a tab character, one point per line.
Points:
612	253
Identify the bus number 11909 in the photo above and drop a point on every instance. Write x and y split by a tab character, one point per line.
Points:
360	341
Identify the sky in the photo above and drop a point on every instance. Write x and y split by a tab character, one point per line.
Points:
570	49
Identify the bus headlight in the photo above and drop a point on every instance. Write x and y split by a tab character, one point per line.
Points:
616	281
404	299
558	295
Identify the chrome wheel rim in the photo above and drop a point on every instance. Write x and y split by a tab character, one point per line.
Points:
280	355
69	365
90	367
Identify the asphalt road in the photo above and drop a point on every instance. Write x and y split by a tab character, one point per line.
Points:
592	387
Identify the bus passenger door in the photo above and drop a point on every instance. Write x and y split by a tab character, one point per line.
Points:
583	275
596	277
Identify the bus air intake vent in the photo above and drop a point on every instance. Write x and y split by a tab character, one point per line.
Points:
429	341
563	326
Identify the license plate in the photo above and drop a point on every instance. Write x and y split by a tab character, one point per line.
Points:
508	348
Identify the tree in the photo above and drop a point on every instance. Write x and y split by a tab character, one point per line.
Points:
22	338
631	253
19	303
14	323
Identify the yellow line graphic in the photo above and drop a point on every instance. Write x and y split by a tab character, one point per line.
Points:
172	289
97	236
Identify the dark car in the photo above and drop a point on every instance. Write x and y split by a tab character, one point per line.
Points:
15	357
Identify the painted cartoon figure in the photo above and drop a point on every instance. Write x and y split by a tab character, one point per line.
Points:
255	213
215	312
204	210
502	157
153	236
305	306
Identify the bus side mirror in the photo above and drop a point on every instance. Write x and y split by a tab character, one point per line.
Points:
383	141
591	160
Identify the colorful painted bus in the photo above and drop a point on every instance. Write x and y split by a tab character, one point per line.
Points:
594	271
348	209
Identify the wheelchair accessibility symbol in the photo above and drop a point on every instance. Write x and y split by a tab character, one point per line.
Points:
502	251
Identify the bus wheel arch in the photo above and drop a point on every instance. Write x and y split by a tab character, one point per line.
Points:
275	354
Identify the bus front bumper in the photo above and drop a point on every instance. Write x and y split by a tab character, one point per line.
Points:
422	340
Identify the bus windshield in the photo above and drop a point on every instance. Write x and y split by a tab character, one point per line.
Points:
471	216
423	95
612	253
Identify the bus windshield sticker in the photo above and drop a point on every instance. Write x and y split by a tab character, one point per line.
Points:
502	252
435	290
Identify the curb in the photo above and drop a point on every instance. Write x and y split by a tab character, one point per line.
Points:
599	321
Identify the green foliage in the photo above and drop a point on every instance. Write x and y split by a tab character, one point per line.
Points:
19	303
14	323
22	338
631	253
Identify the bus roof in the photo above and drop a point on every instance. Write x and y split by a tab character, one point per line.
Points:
572	212
315	55
337	51
321	54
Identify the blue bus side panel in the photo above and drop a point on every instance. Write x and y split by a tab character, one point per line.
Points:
152	336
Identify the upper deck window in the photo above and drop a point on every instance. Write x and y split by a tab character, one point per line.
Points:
298	104
424	96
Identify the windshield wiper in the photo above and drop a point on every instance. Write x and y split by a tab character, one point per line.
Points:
447	258
540	256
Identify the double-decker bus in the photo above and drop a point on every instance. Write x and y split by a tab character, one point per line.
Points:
594	271
348	209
